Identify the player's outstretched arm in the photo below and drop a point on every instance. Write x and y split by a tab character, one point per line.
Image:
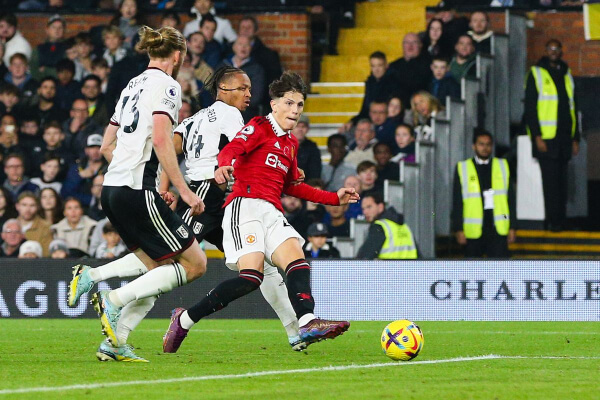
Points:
163	146
109	142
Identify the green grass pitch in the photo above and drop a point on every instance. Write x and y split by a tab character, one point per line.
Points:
537	360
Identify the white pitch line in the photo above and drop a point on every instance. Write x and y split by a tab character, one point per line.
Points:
280	372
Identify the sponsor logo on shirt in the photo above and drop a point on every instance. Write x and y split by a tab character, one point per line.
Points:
273	161
168	103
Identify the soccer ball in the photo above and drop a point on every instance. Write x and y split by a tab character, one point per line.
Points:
402	340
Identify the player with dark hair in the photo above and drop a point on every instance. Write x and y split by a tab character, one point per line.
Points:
265	155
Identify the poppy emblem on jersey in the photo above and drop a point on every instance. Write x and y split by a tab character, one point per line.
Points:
171	92
182	232
197	228
272	160
250	238
248	130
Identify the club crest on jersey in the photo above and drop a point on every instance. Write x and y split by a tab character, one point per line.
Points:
278	146
248	130
250	238
197	228
171	92
182	232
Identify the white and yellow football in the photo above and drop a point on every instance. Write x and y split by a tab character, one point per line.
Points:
402	340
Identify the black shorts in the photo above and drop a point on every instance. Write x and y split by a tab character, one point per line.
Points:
144	221
206	226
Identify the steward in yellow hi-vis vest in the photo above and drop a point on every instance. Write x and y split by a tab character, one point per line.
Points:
551	122
389	238
483	202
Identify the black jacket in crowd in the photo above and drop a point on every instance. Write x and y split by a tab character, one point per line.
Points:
309	159
447	86
327	251
381	90
561	146
484	172
413	75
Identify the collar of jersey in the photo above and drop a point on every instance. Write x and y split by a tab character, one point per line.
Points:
276	128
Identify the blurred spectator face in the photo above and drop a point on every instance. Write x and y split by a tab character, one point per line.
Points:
246	29
479	23
53	137
168	22
435	31
337	149
72	53
403	137
352	181
242	48
9	99
55	31
445	16
128	9
8	124
101	72
291	204
363	134
47	90
7	31
439	69
203	6
13	168
394	107
2	201
79	110
554	50
422	105
84	49
73	212
196	44
185	111
378	67
112	239
50	169
300	131
93	153
367	177
30	128
112	42
370	209
378	113
208	30
97	186
17	67
411	46
382	154
12	234
64	76
27	208
56	3
59	254
336	212
90	89
483	147
317	241
464	47
47	199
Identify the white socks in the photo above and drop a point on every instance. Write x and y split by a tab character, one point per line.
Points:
305	319
275	292
185	320
155	282
131	315
126	266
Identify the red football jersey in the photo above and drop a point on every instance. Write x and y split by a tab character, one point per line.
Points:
266	163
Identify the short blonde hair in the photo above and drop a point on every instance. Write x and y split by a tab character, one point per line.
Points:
434	105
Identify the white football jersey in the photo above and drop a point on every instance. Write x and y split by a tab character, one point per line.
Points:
201	135
134	162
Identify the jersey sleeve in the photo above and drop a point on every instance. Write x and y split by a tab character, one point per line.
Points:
116	117
246	140
232	124
167	100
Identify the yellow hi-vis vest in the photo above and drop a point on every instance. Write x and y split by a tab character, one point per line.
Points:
547	104
472	202
399	242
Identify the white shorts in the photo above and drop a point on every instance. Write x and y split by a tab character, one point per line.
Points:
254	225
